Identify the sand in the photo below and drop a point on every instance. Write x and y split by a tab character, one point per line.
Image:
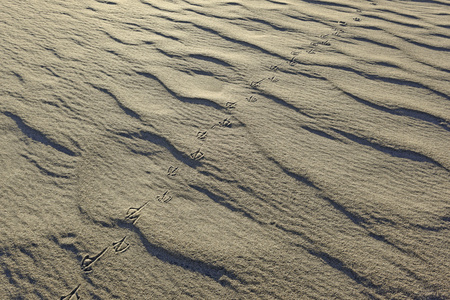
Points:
210	149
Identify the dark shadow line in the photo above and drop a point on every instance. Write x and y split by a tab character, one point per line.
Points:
286	104
37	136
276	2
267	23
128	111
292	174
8	274
341	267
319	132
356	219
431	47
370	16
210	59
43	170
363	39
117	39
335	4
205	269
199	101
432	228
423	116
221	201
222	180
394	81
106	2
398	13
156	7
400	153
235	41
383	239
163	142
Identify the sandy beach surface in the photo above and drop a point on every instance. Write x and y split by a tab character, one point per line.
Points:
224	149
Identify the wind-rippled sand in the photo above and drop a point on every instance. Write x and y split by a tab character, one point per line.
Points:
246	149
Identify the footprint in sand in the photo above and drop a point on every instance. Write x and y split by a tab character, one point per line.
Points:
273	68
225	123
172	171
88	262
120	246
230	105
164	198
251	99
292	61
73	295
134	213
201	135
273	79
197	155
255	84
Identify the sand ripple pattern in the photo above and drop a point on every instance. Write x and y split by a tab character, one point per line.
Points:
260	149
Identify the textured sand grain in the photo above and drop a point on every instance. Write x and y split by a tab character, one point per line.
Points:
272	149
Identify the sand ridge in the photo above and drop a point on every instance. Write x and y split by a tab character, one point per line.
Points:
224	149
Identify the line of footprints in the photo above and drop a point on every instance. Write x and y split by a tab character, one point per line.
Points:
132	216
134	213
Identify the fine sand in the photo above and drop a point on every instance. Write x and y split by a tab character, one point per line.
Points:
225	149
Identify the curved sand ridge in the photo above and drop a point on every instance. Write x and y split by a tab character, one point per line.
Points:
225	149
